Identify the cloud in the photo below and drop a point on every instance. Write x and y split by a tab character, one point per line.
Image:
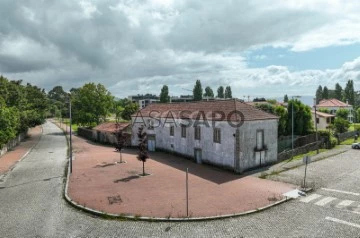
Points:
135	46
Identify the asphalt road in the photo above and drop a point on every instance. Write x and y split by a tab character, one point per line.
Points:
32	205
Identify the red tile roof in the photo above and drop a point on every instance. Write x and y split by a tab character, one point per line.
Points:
231	109
111	126
332	103
322	114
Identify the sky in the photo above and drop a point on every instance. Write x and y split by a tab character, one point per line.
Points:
259	48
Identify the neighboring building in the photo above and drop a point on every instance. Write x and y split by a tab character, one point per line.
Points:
323	120
182	98
144	100
333	105
211	138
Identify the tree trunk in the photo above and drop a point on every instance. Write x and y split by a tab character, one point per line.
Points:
120	157
143	168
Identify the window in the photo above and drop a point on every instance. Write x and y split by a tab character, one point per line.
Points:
259	139
197	133
171	130
317	120
183	131
217	135
328	120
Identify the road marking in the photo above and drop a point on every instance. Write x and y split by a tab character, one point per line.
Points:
357	210
310	198
342	222
325	201
344	203
340	191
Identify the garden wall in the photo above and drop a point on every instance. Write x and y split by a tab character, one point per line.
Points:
346	135
298	151
102	137
11	144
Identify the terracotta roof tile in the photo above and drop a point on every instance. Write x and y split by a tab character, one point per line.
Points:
224	110
333	102
323	114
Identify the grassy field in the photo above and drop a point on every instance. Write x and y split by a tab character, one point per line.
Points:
349	141
74	127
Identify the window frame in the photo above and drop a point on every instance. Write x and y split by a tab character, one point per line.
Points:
197	133
172	131
217	135
183	131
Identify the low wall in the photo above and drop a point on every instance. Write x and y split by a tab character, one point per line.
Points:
102	137
11	144
346	135
298	151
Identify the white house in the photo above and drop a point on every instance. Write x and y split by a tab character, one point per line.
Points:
225	133
334	104
323	120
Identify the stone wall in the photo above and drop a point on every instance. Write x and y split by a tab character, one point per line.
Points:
102	137
11	144
346	135
298	151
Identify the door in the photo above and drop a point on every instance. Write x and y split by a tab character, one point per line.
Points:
198	155
151	145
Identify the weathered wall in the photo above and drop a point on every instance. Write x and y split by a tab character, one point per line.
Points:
102	136
224	154
249	158
11	144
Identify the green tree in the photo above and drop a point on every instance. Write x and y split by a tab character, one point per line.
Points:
338	91
325	110
282	113
267	107
228	93
342	113
286	98
164	95
349	93
91	104
341	125
197	91
208	92
319	94
9	124
302	118
220	92
325	93
129	109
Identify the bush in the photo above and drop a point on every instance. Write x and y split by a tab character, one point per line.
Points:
356	127
333	142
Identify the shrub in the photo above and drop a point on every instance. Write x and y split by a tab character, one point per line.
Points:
333	142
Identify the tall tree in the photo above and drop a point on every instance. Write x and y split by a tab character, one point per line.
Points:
91	104
143	154
286	98
208	92
325	93
302	118
164	95
319	93
220	92
129	109
349	93
338	91
197	91
228	93
120	142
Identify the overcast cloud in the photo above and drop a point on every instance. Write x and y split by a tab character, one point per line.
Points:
136	46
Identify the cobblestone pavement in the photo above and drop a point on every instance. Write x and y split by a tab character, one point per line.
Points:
32	204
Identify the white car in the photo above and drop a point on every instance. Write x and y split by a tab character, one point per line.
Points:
355	145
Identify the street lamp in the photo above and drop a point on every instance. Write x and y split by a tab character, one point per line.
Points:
292	123
316	132
70	142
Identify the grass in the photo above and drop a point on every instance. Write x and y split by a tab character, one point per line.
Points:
311	153
352	126
348	141
74	127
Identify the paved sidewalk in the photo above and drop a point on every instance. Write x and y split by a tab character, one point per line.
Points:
99	184
8	160
286	165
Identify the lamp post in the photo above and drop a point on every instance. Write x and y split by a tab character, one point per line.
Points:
316	131
292	123
70	142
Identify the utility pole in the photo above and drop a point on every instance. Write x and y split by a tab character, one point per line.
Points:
70	142
316	131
